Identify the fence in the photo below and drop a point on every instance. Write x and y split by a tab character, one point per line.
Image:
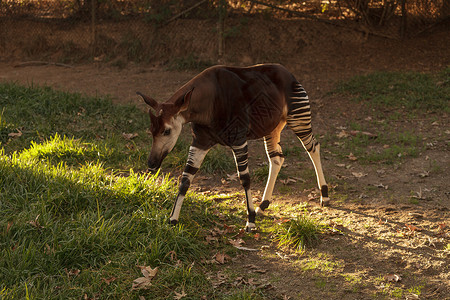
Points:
77	29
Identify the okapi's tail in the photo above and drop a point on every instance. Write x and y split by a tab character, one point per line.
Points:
299	116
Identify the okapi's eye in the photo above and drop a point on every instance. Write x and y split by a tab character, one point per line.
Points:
166	132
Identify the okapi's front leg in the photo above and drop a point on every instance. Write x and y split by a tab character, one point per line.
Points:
241	157
195	159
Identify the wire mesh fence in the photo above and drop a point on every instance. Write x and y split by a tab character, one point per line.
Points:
80	29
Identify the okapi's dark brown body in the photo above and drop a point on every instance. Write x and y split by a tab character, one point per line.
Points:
231	105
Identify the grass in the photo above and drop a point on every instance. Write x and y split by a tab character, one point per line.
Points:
75	218
189	62
410	90
298	233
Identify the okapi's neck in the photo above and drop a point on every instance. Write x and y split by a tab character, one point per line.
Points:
200	109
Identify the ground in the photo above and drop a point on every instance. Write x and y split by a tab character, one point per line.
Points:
388	220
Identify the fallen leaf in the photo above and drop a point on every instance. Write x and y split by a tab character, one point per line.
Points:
148	272
393	277
413	228
229	229
411	296
109	280
35	223
368	134
15	134
237	242
352	157
287	181
281	221
8	227
381	186
74	272
178	296
141	283
221	258
129	136
232	177
342	134
359	174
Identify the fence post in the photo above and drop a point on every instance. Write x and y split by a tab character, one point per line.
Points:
220	28
403	24
93	26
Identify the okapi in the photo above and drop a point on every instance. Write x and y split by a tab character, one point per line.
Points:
229	106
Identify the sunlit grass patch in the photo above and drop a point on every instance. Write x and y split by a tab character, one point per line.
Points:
411	90
298	233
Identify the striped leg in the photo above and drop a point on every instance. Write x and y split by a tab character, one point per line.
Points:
241	158
195	159
299	120
276	159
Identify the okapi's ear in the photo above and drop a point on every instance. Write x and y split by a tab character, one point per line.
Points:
150	101
182	103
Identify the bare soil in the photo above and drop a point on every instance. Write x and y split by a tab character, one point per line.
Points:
394	220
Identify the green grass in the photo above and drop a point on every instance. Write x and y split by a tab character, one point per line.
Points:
298	233
410	90
75	218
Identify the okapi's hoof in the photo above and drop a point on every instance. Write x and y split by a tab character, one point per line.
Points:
249	227
324	201
260	209
173	222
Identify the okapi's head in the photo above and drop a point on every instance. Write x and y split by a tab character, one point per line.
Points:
166	123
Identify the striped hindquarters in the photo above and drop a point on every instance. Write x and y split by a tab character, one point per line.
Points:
299	116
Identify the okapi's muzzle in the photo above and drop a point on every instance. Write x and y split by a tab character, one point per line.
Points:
155	163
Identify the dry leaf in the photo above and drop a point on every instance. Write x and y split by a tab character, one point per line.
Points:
141	283
148	272
74	272
413	228
129	136
232	177
35	223
287	181
109	280
393	277
8	227
370	135
221	258
178	296
342	134
359	174
15	134
229	229
352	157
237	242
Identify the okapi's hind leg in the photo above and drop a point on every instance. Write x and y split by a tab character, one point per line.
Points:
276	159
241	158
299	120
194	161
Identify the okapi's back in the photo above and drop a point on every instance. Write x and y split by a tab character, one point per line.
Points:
249	102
